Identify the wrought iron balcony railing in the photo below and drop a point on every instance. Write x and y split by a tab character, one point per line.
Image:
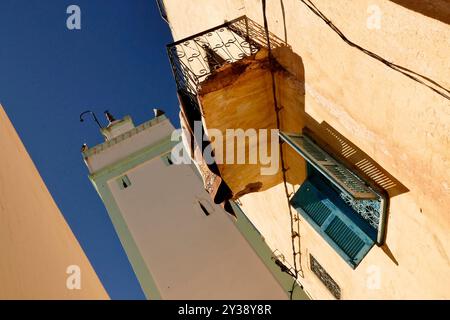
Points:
196	57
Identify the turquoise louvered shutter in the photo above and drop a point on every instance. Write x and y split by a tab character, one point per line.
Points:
369	204
346	238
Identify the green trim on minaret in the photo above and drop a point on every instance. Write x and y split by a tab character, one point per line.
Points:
100	181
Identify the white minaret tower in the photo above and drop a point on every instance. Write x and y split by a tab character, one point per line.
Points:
180	244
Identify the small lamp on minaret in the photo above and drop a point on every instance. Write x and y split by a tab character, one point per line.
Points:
95	119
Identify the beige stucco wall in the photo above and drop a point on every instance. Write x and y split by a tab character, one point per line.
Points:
418	245
189	17
402	125
36	244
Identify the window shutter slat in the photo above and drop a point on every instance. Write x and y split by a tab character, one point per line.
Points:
342	177
344	237
313	206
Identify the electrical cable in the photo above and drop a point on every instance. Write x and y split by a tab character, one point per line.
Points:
283	167
405	71
291	293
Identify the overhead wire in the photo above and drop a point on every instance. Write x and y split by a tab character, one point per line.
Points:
424	80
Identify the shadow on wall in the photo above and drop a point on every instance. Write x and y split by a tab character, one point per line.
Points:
294	118
356	159
436	9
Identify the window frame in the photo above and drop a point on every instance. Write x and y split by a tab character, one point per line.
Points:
289	138
167	159
123	179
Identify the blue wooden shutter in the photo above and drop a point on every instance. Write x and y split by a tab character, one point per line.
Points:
346	238
370	205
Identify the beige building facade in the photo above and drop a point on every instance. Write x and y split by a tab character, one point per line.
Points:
388	130
40	258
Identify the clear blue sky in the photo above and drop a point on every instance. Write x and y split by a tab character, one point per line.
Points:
49	75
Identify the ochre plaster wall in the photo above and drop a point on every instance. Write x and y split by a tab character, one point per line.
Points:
36	244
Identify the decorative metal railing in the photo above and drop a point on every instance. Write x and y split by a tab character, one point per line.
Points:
196	57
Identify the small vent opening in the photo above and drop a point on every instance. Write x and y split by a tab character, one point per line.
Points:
205	211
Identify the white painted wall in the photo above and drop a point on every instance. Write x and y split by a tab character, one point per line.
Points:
189	255
122	146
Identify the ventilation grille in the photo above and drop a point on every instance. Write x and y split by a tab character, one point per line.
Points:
325	278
